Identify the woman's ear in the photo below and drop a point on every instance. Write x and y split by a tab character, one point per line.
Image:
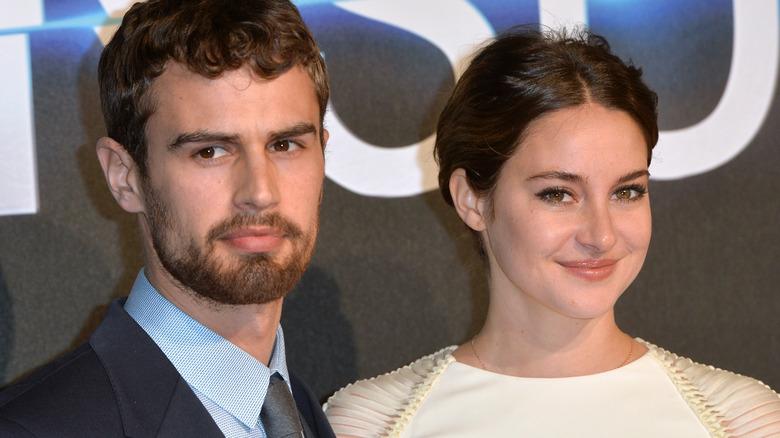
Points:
121	174
468	204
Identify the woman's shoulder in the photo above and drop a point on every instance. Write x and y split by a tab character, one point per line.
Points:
383	405
738	405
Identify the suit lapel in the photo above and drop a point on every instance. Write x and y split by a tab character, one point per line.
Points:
307	432
315	424
187	418
150	393
152	397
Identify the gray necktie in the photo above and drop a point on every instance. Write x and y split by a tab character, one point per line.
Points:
279	414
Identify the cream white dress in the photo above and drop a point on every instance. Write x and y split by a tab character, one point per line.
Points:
658	395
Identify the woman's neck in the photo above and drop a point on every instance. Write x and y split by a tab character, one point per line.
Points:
533	343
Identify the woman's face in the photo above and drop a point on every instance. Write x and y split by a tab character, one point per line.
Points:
571	216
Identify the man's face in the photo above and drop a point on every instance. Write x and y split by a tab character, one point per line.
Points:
234	184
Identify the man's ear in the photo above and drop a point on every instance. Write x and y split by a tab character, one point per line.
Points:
121	174
325	136
468	204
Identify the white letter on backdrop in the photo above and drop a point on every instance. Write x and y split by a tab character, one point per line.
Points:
736	119
17	168
562	13
409	170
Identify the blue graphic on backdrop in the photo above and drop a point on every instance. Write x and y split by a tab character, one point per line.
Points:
671	41
67	10
503	14
386	83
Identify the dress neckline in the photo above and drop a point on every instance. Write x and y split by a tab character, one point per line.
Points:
626	368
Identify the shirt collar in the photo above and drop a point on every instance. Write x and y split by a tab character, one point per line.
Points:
221	371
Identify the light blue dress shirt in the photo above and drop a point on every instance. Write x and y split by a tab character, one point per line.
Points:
230	383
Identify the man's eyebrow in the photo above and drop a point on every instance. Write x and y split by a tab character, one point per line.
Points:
202	137
297	130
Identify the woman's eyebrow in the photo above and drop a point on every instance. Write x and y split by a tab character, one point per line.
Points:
633	175
572	177
565	176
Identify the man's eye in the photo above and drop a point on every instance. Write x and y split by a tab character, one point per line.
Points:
283	146
556	196
211	152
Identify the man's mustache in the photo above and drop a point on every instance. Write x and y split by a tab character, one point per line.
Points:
273	220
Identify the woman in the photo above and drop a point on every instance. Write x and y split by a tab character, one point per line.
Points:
544	148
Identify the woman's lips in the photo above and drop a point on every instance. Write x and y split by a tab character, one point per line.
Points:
591	270
254	240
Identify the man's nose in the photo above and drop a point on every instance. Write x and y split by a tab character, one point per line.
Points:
256	183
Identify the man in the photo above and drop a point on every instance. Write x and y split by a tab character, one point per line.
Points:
214	112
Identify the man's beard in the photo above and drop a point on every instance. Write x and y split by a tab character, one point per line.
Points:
248	278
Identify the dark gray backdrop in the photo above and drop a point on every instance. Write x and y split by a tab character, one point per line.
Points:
396	278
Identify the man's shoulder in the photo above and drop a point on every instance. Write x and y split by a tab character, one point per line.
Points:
71	392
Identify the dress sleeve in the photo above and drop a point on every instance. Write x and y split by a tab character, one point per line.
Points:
731	405
748	407
384	405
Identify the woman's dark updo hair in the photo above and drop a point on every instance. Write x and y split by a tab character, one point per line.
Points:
519	77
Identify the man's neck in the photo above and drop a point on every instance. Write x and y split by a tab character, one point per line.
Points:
250	327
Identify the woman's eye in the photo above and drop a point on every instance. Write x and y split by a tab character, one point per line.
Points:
555	196
211	152
630	193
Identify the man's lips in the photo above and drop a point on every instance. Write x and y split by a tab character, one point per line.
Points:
254	240
591	270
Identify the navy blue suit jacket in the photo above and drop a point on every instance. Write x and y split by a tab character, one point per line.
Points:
120	384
